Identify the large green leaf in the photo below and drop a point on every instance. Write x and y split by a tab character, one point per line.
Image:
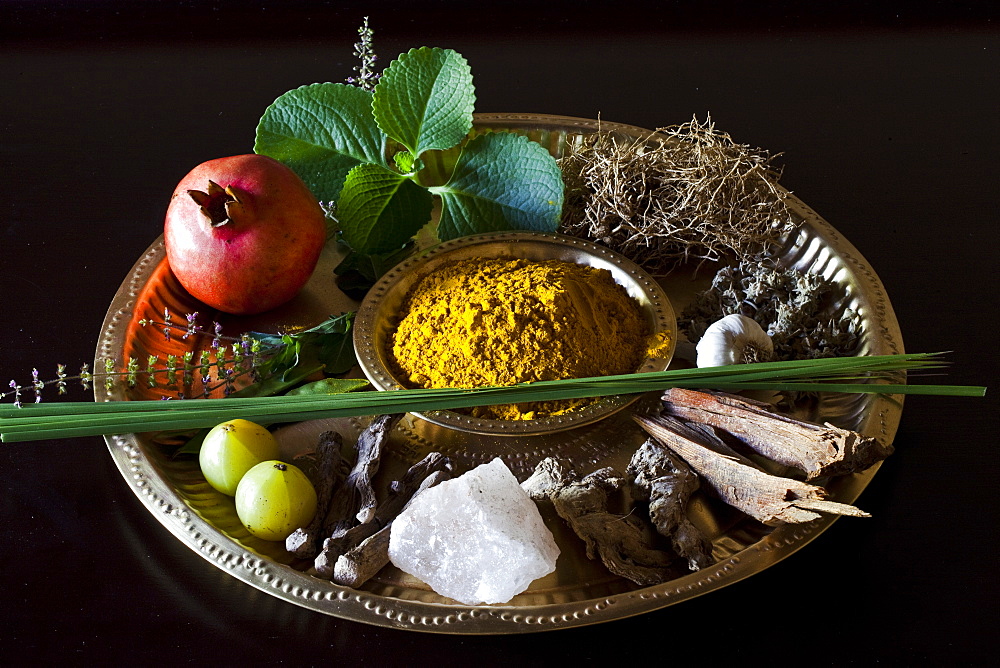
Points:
379	210
321	132
501	181
425	98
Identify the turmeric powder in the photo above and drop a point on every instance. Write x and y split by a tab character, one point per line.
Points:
488	322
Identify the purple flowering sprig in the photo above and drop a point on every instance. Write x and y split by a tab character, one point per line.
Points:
364	49
218	366
179	373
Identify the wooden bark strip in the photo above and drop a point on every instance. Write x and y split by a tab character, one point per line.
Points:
356	500
364	560
769	499
400	493
815	449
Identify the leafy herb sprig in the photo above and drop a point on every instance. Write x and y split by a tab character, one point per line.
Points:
366	150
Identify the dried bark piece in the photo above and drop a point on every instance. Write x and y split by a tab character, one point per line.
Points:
364	560
356	501
770	499
815	449
304	542
668	484
621	542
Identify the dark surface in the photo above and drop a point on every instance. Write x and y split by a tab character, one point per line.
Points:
888	126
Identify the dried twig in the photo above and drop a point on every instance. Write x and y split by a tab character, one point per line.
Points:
363	561
400	493
356	502
305	541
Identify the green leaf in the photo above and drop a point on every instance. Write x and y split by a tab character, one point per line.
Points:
328	347
321	132
405	162
336	353
501	181
425	98
358	272
379	210
329	343
330	386
335	324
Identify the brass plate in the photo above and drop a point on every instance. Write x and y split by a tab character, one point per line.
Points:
580	592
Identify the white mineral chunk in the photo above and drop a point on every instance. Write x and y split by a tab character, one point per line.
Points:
477	539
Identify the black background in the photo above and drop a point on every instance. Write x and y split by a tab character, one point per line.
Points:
887	121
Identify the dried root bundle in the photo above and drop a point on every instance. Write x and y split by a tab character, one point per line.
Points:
686	192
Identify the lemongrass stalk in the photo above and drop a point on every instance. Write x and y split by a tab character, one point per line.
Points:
64	420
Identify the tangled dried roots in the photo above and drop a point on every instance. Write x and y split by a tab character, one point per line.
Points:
685	192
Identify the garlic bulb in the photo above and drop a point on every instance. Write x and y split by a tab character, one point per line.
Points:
735	339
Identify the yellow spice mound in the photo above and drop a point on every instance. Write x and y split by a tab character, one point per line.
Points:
499	322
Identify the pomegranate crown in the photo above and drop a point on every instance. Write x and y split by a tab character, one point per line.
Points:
220	205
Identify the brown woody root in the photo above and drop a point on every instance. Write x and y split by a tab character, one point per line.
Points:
668	484
621	542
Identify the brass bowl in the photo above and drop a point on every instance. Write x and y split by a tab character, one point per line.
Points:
379	315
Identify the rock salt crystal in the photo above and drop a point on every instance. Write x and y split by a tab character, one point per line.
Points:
477	539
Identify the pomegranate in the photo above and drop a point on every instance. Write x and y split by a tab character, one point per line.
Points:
243	234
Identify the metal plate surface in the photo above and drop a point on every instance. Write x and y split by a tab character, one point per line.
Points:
580	592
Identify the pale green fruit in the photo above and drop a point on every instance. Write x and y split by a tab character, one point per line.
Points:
274	499
231	449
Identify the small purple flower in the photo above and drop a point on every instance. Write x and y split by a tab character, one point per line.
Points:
217	341
192	325
37	385
17	393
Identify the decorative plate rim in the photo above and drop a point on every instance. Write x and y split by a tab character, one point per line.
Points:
284	582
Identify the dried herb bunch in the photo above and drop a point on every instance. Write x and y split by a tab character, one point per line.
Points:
688	191
804	314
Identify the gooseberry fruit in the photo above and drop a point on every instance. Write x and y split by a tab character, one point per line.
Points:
274	499
231	449
243	234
